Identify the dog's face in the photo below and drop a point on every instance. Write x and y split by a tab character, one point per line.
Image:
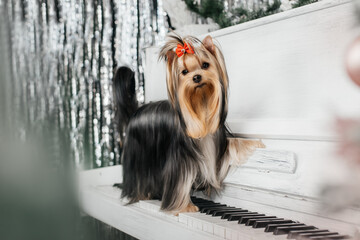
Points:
197	85
199	93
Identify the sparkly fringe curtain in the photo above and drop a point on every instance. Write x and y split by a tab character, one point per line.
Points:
63	54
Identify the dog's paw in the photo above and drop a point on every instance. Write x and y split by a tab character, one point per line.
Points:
189	208
240	150
257	143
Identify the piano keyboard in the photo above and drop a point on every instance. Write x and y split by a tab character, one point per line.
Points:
235	223
231	222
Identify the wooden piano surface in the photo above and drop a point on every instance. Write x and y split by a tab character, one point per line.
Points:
287	85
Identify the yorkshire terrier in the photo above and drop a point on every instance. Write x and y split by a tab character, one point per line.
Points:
174	147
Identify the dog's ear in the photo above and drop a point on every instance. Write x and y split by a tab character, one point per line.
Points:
170	55
171	76
216	52
209	45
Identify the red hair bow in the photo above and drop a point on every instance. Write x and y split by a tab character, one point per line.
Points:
180	50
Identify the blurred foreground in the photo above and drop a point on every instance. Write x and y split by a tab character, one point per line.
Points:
37	181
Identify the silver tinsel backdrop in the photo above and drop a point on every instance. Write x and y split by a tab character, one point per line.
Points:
63	54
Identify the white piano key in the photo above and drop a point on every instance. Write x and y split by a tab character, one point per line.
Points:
254	233
191	219
223	228
235	231
183	219
198	221
155	207
150	205
198	224
278	237
228	228
219	229
170	216
208	227
209	224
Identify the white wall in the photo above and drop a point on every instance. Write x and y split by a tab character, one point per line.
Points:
287	74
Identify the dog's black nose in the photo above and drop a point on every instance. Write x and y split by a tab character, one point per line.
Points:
197	78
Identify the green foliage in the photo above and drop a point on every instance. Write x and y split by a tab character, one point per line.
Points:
192	5
300	3
215	9
207	9
273	8
242	15
211	8
241	12
223	20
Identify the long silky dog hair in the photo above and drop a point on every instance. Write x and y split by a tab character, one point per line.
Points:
125	98
176	146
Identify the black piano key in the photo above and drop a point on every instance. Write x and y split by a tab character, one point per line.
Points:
227	215
212	210
196	198
202	204
204	209
200	200
209	206
323	234
206	204
294	234
331	237
245	219
252	221
264	223
271	227
222	212
203	201
118	185
320	234
295	230
238	216
286	230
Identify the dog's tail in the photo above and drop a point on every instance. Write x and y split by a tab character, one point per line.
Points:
125	100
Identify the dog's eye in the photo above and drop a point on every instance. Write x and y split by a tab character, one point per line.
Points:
184	72
205	65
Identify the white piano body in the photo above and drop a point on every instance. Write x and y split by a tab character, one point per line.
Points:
287	86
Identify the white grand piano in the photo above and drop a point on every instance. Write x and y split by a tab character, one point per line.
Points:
287	86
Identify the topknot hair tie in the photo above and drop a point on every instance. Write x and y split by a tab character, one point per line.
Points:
181	50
